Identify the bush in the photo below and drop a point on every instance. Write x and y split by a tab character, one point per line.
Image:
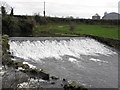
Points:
26	27
15	26
72	27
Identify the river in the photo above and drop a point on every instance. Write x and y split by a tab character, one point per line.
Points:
79	59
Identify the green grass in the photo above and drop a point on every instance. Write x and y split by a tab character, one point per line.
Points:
106	31
60	29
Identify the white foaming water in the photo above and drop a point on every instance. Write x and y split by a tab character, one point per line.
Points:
37	50
72	60
97	60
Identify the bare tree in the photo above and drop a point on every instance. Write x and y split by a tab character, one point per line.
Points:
5	8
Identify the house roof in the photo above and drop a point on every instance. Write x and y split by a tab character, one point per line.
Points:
96	14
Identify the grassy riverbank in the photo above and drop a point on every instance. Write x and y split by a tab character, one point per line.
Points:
107	31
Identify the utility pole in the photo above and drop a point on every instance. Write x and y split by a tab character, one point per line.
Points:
44	9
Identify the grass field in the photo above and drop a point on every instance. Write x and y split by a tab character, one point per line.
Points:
58	29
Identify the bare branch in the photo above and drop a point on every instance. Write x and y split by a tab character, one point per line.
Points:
7	6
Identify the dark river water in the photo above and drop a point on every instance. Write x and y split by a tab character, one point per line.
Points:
79	59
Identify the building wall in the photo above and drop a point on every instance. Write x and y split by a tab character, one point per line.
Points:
95	17
111	16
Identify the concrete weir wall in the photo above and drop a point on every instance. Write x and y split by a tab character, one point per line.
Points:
110	42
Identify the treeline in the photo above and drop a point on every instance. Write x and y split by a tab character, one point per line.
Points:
42	20
83	21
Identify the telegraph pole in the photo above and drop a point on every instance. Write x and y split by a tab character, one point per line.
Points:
44	9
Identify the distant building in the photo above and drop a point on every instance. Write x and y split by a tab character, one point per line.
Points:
96	17
111	16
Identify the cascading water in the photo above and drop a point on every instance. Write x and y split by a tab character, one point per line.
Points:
80	59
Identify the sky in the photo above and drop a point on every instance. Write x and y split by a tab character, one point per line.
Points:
63	8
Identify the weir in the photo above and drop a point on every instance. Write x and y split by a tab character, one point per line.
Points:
79	59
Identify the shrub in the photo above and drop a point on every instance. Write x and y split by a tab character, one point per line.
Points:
15	26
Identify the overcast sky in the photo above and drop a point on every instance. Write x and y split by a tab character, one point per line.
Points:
75	8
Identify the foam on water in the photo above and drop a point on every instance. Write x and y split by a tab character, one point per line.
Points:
72	60
37	50
97	60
